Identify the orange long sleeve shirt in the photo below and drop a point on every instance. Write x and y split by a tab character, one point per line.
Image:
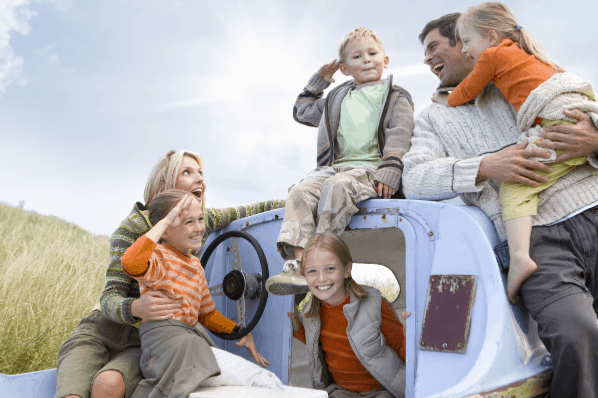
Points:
342	362
512	70
163	268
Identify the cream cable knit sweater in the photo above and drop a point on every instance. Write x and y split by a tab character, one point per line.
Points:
448	145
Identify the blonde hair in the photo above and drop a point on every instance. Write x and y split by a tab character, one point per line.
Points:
331	243
357	34
489	16
164	174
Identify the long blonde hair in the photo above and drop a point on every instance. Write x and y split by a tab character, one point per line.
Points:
164	174
495	16
331	243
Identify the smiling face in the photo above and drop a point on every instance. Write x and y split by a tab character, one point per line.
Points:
188	233
474	42
190	177
325	275
364	60
446	61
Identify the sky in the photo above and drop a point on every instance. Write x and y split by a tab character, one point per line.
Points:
92	93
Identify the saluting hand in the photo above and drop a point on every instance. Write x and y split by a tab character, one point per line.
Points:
326	71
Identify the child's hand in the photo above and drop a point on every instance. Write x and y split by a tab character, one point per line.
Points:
295	319
174	217
440	98
404	316
328	70
385	191
249	343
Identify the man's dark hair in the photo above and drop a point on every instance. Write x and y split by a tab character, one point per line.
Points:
446	26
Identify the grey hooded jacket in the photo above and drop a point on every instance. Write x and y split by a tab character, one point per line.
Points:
395	124
366	339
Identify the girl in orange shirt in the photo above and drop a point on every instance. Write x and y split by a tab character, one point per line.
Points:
176	355
508	56
356	330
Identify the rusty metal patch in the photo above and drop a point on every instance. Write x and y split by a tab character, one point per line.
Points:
447	318
531	387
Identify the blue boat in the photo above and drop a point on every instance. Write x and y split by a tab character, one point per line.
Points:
464	339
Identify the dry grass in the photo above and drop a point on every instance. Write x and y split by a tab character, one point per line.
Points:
51	275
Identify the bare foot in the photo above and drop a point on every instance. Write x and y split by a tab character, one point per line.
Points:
520	269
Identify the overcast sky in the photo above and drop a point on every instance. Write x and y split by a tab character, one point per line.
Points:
92	93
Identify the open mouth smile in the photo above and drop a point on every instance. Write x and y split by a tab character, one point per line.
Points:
438	67
197	192
324	288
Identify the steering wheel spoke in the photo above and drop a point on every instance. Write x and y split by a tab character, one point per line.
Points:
216	290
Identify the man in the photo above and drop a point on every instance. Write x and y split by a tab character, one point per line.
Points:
467	151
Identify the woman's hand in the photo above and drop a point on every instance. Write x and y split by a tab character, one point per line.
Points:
328	70
249	343
440	98
295	319
154	306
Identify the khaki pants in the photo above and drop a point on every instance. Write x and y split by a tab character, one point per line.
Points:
324	201
97	345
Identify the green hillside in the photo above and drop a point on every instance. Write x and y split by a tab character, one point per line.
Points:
51	275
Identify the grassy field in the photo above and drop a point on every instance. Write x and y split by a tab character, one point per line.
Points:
51	275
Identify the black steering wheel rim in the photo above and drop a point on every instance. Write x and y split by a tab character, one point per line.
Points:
265	275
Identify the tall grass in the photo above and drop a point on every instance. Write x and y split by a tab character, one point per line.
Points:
51	275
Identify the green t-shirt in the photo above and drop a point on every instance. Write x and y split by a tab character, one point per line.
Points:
357	138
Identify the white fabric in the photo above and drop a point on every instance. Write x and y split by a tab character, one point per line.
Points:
563	91
237	371
449	144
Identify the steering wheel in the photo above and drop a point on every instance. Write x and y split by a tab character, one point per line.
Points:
238	285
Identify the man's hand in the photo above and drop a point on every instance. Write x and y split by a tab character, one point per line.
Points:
440	98
249	343
512	164
154	306
384	191
328	70
579	139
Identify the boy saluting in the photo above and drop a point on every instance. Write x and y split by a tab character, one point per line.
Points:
364	129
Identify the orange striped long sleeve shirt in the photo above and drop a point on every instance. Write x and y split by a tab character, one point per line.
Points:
180	276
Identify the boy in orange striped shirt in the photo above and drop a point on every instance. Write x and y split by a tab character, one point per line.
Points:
177	348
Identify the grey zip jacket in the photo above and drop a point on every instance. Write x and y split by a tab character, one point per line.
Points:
395	124
366	339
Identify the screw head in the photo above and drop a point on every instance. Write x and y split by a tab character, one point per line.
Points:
468	280
430	234
459	345
432	279
423	343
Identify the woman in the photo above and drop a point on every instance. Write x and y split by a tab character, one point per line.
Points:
101	357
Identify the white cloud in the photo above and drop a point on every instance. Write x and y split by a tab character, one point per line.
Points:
14	17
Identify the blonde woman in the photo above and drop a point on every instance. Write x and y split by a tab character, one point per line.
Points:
101	357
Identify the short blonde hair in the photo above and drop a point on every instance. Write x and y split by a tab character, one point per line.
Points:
495	16
331	243
357	34
164	173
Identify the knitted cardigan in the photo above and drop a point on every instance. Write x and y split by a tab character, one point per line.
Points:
120	290
449	144
395	124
